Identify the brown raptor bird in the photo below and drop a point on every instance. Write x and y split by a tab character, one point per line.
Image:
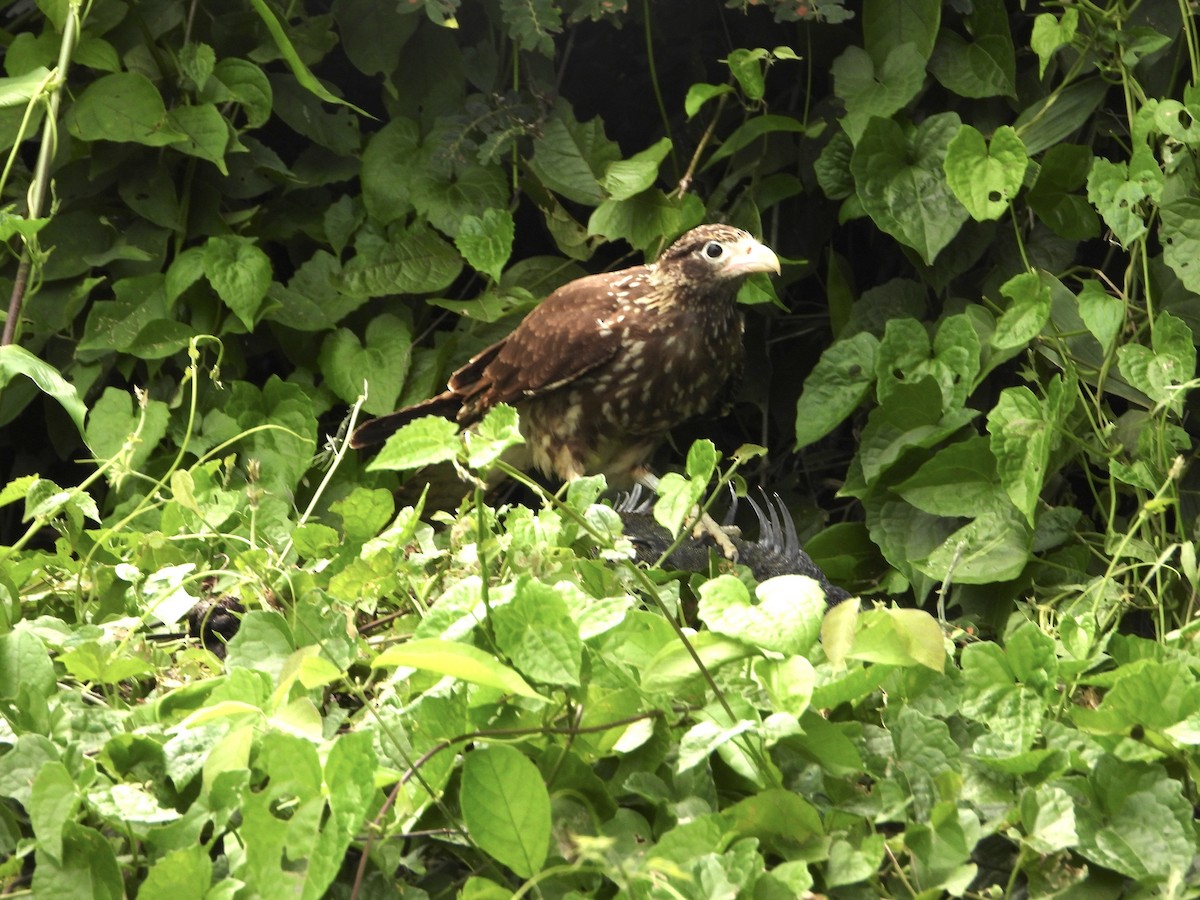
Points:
605	366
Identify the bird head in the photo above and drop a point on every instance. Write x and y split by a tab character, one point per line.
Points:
716	256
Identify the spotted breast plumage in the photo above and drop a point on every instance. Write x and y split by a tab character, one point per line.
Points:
604	367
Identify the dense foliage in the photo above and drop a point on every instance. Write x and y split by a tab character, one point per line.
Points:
234	226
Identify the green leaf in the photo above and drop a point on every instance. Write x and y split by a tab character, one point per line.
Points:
244	83
123	106
1051	33
240	273
20	89
204	133
1028	310
408	261
531	24
486	242
700	93
786	619
899	637
958	480
626	177
495	433
901	182
644	219
113	421
16	360
751	131
569	156
1119	199
506	808
746	66
88	867
994	547
382	361
1180	236
984	67
422	442
52	805
1159	370
868	93
1024	430
788	682
985	179
677	499
183	874
301	72
888	25
910	417
536	632
1102	313
1055	117
1064	170
836	386
461	661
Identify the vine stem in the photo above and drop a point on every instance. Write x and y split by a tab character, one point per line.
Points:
41	173
658	97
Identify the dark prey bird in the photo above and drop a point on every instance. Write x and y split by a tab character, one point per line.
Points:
606	365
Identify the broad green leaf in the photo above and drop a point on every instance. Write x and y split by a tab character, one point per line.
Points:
700	93
183	874
244	83
899	637
531	24
1161	369
495	433
408	261
16	360
645	218
205	133
123	106
20	89
984	67
506	808
1024	430
240	273
985	178
374	33
872	91
387	170
786	618
1180	236
1050	33
994	547
958	480
113	420
1055	193
626	177
52	805
447	199
1055	117
1047	818
788	682
704	738
422	442
536	632
1028	311
485	242
569	156
1103	313
461	661
87	867
836	386
888	25
672	669
381	360
901	183
911	417
746	66
1119	199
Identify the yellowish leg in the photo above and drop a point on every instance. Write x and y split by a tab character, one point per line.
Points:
705	524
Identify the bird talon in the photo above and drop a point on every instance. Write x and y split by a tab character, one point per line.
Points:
722	535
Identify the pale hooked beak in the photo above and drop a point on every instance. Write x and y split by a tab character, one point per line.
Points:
748	256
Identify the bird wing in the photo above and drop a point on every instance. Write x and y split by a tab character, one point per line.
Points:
567	335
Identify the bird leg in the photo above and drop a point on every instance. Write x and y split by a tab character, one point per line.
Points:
705	524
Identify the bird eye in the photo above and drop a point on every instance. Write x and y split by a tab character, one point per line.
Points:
713	250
